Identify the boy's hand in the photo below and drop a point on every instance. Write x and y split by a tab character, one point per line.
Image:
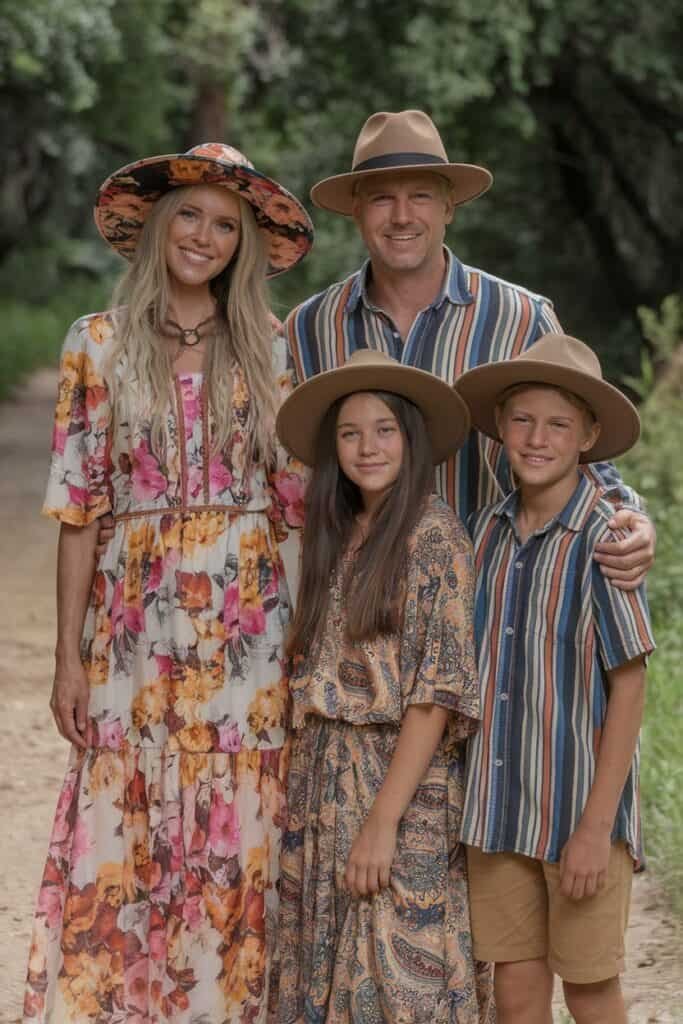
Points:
626	562
583	862
105	532
372	854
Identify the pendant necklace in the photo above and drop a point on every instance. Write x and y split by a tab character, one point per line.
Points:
188	333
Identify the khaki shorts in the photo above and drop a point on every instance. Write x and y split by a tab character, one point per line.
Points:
519	913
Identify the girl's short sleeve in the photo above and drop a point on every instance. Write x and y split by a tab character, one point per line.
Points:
438	656
78	489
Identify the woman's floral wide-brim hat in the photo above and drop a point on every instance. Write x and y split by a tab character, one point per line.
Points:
126	198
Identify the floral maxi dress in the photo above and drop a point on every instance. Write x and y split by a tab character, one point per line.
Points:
404	955
159	901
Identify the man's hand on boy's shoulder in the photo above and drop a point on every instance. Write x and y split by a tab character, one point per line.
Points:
627	561
583	862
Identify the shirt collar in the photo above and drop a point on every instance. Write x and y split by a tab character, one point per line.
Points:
454	286
572	517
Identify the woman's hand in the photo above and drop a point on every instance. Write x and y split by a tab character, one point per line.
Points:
105	532
368	868
69	701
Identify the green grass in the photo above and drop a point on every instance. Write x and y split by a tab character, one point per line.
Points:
655	468
662	761
32	334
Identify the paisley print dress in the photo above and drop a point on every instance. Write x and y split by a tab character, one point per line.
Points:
159	898
404	955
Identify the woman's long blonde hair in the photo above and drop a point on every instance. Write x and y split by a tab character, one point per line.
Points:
141	362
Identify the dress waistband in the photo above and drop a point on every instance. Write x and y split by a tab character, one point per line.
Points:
184	510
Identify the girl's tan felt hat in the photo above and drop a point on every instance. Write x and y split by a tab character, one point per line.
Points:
445	413
406	141
561	362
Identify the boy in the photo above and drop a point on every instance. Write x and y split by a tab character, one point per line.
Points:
551	817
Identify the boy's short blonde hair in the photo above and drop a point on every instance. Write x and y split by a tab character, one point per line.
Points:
575	400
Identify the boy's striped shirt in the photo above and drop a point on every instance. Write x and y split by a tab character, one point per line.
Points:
548	627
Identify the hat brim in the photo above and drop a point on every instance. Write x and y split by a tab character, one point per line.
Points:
445	413
467	180
619	421
126	198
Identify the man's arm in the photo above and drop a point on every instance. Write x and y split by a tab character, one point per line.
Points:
625	562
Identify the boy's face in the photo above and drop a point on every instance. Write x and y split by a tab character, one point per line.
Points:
544	434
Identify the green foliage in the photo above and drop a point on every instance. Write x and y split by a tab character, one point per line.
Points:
32	334
575	106
83	86
655	468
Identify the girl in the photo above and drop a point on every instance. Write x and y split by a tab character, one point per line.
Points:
374	922
159	895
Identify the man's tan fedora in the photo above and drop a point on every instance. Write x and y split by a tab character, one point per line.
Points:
406	141
562	362
445	413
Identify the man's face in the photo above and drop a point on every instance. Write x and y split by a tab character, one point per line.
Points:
402	218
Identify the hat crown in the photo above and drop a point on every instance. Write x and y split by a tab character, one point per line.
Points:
408	131
370	357
563	350
221	152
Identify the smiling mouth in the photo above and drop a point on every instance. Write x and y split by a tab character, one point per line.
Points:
195	257
372	467
539	460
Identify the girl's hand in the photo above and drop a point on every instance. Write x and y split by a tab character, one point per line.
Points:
369	865
69	701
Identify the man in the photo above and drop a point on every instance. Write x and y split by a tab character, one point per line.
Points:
416	301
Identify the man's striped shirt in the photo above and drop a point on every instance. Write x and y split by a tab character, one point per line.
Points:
548	628
476	318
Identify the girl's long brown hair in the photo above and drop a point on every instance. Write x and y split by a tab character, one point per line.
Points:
332	502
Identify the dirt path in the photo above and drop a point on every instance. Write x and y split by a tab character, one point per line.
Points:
33	756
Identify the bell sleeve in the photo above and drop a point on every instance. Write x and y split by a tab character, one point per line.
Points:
438	657
78	489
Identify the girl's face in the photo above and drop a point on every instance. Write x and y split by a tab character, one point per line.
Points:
369	445
203	235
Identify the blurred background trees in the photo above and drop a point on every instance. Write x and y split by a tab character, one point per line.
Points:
576	107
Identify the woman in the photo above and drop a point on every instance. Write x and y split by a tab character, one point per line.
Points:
159	895
374	917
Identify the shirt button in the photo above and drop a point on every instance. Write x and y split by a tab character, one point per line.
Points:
498	763
518	565
503	696
509	630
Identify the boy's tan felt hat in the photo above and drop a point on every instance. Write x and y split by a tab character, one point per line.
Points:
406	141
445	413
561	362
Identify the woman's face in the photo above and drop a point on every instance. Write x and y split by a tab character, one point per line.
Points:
369	444
203	235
